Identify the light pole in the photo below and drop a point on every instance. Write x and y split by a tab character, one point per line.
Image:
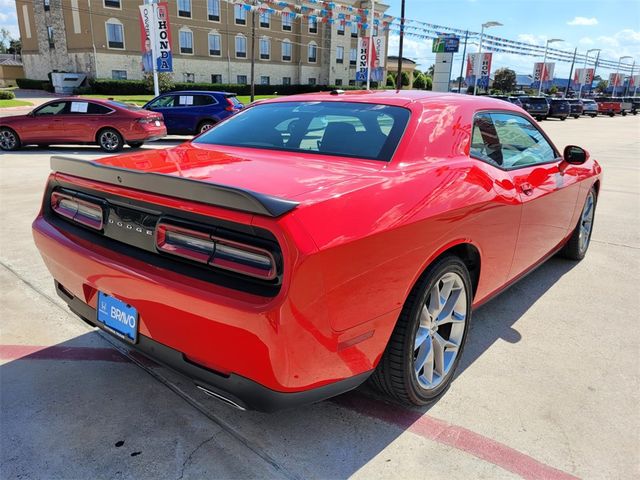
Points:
615	79
475	66
586	57
544	62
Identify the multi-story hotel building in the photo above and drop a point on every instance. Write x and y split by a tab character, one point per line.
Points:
211	41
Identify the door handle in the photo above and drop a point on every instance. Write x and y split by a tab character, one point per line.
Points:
526	188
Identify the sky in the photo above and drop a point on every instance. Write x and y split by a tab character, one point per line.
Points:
612	25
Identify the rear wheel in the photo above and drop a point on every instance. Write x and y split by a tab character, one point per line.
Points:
205	125
9	140
110	140
611	114
563	118
135	144
577	246
426	345
576	116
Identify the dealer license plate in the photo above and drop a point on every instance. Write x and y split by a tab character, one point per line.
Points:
118	317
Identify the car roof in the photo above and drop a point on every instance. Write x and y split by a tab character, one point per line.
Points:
200	92
401	98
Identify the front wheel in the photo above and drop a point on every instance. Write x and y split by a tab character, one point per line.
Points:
576	247
110	140
9	139
427	342
563	118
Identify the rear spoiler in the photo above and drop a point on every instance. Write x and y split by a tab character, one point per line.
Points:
179	187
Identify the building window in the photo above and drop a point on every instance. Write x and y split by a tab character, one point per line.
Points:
264	80
186	42
216	78
352	83
312	81
115	34
107	3
241	79
50	36
184	8
313	25
265	20
312	52
213	10
119	74
47	5
338	82
340	28
286	80
240	15
241	46
353	56
354	30
265	48
214	44
286	21
375	30
340	55
286	51
189	77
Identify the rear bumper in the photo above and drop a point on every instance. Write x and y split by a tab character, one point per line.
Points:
147	134
235	390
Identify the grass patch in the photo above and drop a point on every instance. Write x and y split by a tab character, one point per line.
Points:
142	99
14	103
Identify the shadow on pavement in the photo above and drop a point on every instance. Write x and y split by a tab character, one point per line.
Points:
64	409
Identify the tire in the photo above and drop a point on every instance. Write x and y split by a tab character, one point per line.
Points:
611	114
109	140
205	125
563	118
578	244
539	119
9	139
594	116
396	375
135	144
624	114
576	116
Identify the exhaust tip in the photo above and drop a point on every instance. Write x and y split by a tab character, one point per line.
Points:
221	397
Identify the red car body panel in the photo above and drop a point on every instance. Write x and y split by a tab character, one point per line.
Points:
77	128
361	236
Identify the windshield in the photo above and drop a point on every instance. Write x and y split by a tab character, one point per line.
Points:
128	106
361	130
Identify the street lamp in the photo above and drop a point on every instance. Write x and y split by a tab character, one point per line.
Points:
615	80
544	61
586	57
475	67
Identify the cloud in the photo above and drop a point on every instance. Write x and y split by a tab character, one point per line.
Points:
583	21
586	41
533	39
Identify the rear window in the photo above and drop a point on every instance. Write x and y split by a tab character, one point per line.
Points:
234	100
127	106
343	129
537	101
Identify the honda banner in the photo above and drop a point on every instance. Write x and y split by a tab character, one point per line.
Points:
155	37
543	72
478	64
373	63
583	76
615	79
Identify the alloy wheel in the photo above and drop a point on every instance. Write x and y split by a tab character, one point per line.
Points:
205	127
440	331
586	222
8	140
109	140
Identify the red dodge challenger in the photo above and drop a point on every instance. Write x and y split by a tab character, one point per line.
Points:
315	241
107	123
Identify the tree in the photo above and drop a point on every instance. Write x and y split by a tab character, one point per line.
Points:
428	83
5	38
405	79
602	86
15	47
430	70
391	80
504	80
553	90
420	82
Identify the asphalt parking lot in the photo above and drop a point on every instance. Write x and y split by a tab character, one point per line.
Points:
549	385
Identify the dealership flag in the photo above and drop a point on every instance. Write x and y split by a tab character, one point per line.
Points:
543	72
155	32
583	76
615	79
373	63
478	64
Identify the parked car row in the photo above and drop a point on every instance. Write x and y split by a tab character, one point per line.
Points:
111	124
542	107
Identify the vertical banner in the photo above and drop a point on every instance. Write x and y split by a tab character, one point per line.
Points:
543	72
478	64
373	63
155	34
635	81
615	79
362	70
583	76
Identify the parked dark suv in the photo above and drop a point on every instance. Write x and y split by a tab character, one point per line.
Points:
635	104
576	107
193	112
559	108
538	107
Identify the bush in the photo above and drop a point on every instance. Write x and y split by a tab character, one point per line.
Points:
29	83
47	87
420	82
260	89
391	80
165	81
6	95
107	86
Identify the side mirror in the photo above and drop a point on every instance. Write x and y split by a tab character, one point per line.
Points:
575	155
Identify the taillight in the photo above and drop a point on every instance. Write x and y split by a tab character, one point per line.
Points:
149	120
80	211
230	105
216	251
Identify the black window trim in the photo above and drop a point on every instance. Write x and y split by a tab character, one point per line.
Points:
558	158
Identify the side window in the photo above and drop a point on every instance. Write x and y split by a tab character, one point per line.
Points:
508	141
201	100
163	102
55	108
184	101
79	107
522	144
95	109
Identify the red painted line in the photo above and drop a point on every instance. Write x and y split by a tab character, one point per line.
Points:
460	438
58	352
